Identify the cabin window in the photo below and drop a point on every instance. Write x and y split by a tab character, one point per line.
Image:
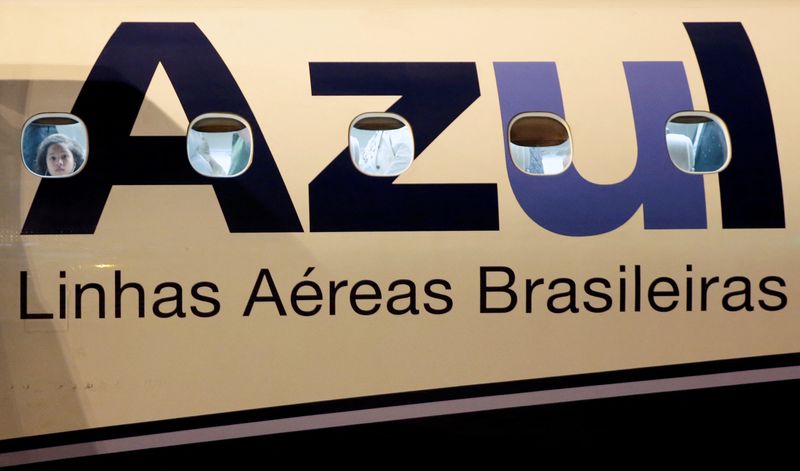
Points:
219	145
54	145
540	143
698	142
381	144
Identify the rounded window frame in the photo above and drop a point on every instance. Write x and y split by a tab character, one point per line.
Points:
53	114
381	114
713	117
540	114
216	114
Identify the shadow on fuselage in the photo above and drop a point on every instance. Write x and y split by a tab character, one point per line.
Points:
39	390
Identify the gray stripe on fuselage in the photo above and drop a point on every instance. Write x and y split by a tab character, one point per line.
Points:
401	412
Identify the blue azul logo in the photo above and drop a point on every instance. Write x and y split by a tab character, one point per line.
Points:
432	95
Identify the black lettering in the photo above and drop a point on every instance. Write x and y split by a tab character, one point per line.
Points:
622	293
119	288
448	301
529	285
215	306
334	288
62	297
587	287
101	299
410	295
273	297
177	298
689	284
23	300
512	296
570	294
431	96
109	102
637	287
653	293
706	283
782	300
745	292
750	189
296	297
355	296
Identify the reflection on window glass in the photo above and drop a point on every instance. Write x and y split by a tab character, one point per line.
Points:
540	143
698	142
54	145
219	145
381	144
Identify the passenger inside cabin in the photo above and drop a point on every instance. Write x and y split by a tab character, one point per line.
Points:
219	154
386	153
541	160
539	143
203	162
58	156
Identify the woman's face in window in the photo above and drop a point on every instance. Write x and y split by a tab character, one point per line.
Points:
60	161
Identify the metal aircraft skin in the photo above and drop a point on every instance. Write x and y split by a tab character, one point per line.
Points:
233	228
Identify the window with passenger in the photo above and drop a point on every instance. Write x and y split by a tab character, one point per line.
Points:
381	144
54	145
219	145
